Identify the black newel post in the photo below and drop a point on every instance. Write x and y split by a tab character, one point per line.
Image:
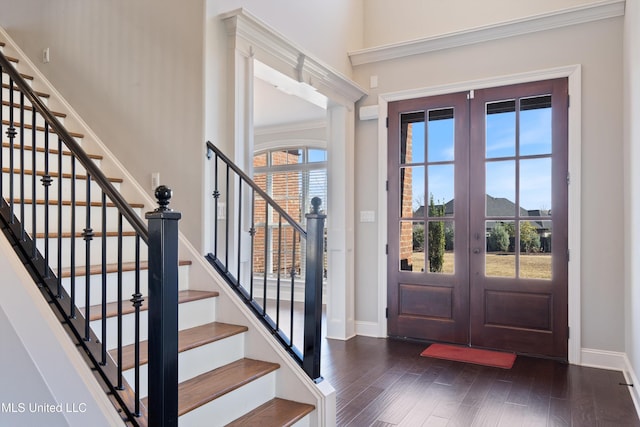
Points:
313	291
163	312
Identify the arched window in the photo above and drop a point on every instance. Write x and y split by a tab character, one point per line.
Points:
292	177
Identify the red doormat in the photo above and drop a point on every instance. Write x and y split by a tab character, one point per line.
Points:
477	356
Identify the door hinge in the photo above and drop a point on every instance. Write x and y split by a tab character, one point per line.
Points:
568	178
568	255
568	101
387	122
386	185
386	249
568	332
386	312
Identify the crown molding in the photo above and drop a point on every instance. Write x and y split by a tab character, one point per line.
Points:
547	21
253	37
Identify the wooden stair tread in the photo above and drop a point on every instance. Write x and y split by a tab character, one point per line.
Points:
209	386
78	203
39	128
127	307
111	268
40	94
30	108
51	150
274	413
187	340
55	175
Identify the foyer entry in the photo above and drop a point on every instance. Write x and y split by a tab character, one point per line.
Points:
477	218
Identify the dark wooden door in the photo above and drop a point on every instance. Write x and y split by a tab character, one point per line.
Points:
477	218
428	290
519	194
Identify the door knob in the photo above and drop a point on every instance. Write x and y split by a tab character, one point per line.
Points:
476	251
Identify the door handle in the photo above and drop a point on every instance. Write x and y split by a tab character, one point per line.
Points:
476	251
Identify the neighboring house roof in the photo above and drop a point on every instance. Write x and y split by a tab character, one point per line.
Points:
498	207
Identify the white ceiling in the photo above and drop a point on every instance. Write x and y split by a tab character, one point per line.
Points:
274	107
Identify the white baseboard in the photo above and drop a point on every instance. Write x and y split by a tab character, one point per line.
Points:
368	329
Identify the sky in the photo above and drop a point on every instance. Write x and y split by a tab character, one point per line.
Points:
500	181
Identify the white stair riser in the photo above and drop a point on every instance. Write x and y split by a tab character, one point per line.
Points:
304	422
80	218
128	250
80	187
197	361
16	93
28	134
6	79
128	285
28	114
190	314
40	159
230	406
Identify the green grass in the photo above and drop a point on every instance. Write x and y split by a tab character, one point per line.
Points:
536	266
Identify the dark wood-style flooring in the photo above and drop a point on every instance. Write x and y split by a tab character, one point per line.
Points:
382	382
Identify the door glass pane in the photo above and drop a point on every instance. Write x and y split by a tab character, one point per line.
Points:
440	256
500	257
500	187
535	125
412	245
501	129
535	249
411	190
412	138
441	137
441	185
535	186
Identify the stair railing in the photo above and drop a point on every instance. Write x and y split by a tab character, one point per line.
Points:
262	252
39	242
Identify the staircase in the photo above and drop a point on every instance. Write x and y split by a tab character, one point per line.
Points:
231	372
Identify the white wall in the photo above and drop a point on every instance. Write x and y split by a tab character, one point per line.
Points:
597	47
401	20
134	73
39	365
632	180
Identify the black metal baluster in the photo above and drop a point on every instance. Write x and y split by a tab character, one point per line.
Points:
278	274
23	235
119	361
226	233
252	233
72	251
104	278
137	302
293	284
216	196
239	240
266	257
34	228
11	134
88	235
46	182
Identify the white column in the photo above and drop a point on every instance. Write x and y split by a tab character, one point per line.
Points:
340	224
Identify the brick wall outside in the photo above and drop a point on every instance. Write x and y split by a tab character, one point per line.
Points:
406	227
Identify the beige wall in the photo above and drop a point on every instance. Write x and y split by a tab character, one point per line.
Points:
134	73
632	180
598	48
401	20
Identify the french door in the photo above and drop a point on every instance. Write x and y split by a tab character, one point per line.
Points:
477	220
